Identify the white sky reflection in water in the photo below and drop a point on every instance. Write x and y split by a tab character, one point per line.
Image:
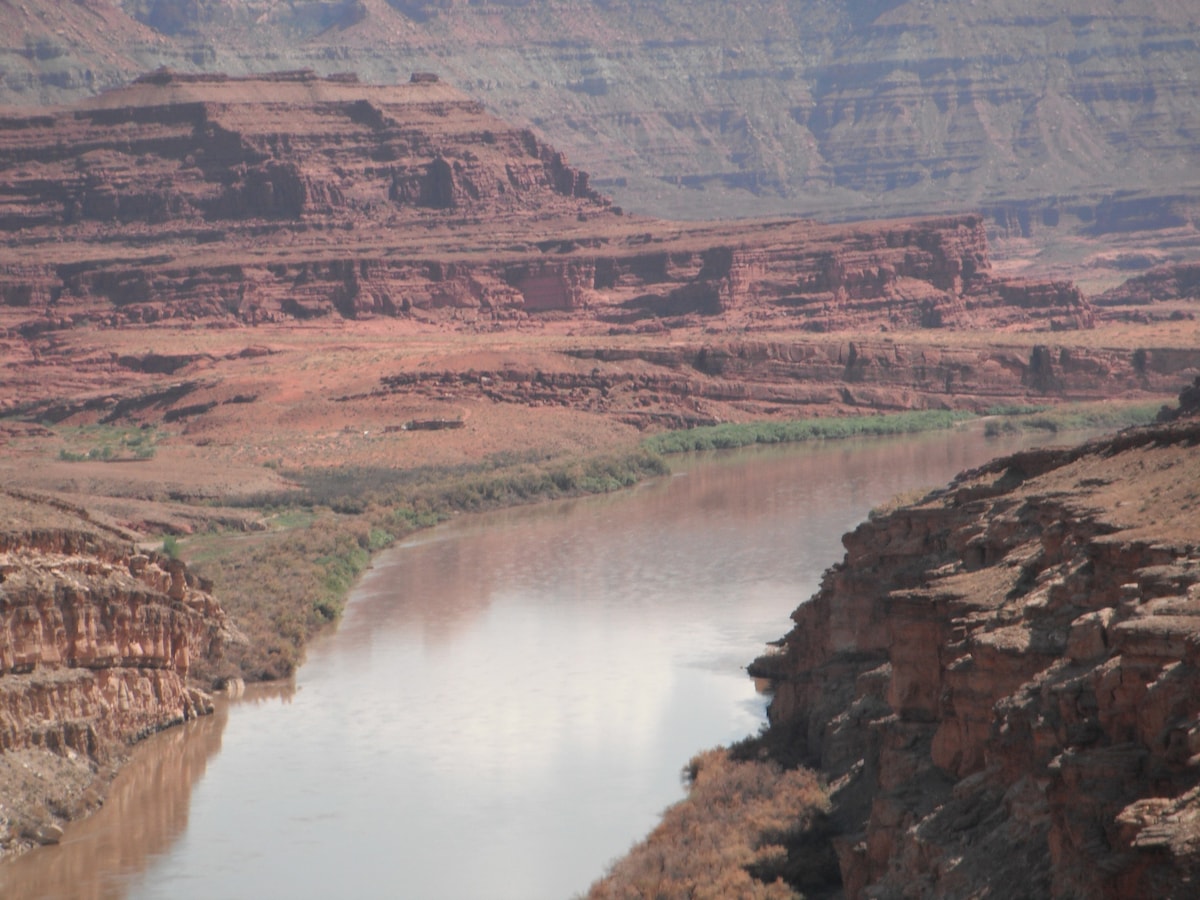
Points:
510	699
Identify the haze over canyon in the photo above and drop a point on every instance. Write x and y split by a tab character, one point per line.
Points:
1070	114
282	282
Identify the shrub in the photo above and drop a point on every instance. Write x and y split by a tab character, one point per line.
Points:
732	836
109	443
1078	417
730	436
996	428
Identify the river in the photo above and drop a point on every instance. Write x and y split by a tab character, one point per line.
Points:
509	700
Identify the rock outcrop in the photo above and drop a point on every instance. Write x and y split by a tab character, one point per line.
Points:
1076	115
296	197
1002	682
189	155
687	384
97	642
183	201
1164	293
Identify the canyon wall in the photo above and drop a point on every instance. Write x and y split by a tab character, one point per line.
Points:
295	197
687	384
191	155
1001	682
912	275
1077	115
292	201
97	643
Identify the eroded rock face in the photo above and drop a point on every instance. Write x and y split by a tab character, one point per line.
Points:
1165	293
240	203
247	200
1003	683
180	149
97	641
1076	112
97	659
684	384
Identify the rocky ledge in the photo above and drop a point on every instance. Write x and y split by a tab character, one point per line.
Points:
97	643
186	205
291	197
1002	682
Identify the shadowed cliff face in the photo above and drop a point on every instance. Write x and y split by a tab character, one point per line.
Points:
244	201
1002	681
298	205
96	645
685	385
1076	114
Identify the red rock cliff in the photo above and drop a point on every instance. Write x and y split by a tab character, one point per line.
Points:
1002	682
291	196
96	639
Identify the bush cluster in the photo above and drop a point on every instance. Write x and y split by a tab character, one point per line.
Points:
283	586
1074	417
730	436
741	832
110	443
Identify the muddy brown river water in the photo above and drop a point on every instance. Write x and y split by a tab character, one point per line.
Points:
509	700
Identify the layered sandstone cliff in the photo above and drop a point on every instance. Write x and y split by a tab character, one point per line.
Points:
1076	114
184	150
1002	683
97	641
291	199
297	197
685	383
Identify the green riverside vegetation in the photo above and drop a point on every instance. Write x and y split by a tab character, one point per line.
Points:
285	583
731	436
107	443
1075	417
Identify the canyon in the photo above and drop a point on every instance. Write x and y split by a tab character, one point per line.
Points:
1079	119
236	308
997	679
195	202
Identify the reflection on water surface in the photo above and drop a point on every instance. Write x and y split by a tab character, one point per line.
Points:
509	700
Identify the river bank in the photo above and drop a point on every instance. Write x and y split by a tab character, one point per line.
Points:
290	582
250	339
286	583
619	627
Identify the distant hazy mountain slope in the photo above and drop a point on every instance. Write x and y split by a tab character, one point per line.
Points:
839	108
